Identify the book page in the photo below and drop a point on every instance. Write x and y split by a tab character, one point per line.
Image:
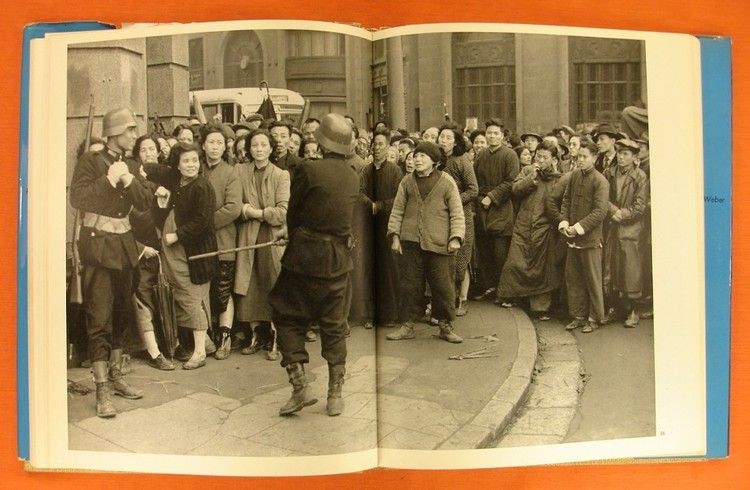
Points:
425	402
527	390
223	417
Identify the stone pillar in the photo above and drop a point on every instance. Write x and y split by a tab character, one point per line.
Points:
396	97
539	88
434	79
358	78
114	72
168	79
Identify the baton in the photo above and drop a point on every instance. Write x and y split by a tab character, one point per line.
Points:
238	249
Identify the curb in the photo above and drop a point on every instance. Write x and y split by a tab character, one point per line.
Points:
483	430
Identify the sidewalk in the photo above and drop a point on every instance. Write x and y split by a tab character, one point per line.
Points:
230	408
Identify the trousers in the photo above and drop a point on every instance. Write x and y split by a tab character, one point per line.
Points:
297	301
416	266
491	254
583	279
108	303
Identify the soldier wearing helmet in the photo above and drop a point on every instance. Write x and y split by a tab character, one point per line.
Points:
315	267
106	185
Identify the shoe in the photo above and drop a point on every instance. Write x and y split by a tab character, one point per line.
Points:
632	320
250	349
609	317
300	397
190	365
576	323
543	317
368	326
210	346
487	294
447	333
272	355
404	333
225	348
503	303
311	336
588	327
335	403
104	406
161	362
646	315
462	310
121	388
182	355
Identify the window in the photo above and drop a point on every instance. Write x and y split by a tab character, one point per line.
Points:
485	92
314	44
484	77
243	60
605	77
602	90
195	61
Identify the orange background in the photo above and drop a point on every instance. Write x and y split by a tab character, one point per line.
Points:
709	17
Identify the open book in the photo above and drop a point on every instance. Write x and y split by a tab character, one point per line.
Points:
521	389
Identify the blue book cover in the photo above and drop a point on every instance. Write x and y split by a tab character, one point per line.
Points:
31	32
716	73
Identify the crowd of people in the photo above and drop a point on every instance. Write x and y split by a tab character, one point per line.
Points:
272	235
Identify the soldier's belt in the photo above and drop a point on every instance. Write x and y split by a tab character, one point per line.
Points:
106	224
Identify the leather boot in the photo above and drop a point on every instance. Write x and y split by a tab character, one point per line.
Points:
300	397
335	405
405	332
447	333
104	407
121	388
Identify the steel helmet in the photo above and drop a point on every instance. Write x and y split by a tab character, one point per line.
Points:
335	134
117	121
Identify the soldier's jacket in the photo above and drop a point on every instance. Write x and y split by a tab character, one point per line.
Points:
92	194
319	218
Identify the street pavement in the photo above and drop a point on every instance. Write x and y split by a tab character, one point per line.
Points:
411	396
587	387
618	400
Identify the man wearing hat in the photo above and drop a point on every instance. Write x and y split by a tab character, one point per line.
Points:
605	137
628	199
496	167
312	285
106	185
250	124
531	141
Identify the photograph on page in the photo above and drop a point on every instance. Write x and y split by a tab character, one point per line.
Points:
436	246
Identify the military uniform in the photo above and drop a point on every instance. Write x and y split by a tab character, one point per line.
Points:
316	264
107	247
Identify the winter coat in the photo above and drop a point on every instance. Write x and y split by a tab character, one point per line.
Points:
495	170
274	201
431	221
530	268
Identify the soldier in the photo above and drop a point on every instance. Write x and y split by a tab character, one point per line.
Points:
105	187
315	266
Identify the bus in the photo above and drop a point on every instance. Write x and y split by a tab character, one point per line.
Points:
234	104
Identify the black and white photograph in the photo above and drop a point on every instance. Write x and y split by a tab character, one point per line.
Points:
295	242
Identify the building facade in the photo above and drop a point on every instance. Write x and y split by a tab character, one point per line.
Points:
330	70
532	82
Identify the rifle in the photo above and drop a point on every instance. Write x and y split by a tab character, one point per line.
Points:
158	126
76	283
